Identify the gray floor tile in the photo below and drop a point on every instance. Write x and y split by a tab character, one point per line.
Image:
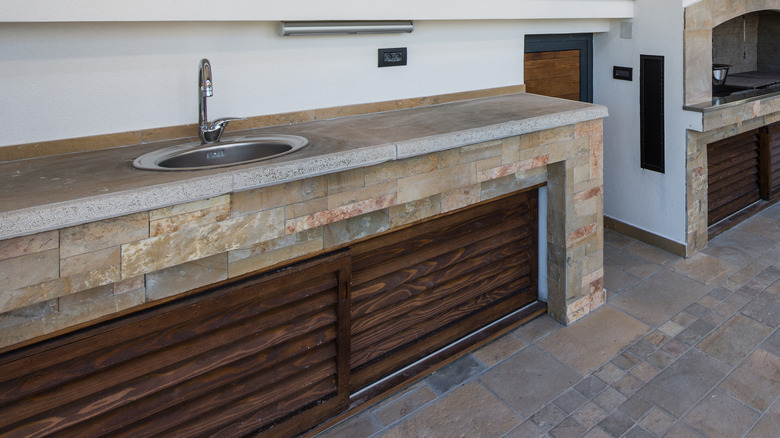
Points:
538	328
720	415
570	401
735	339
568	428
454	374
772	344
617	280
636	407
768	425
764	226
633	264
738	247
537	380
765	309
616	424
684	382
548	417
705	269
756	381
617	240
590	386
660	297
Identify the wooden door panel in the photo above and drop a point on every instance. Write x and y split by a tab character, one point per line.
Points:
733	175
553	73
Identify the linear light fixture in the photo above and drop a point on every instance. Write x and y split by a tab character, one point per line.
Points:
287	28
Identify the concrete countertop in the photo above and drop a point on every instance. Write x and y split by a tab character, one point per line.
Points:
54	192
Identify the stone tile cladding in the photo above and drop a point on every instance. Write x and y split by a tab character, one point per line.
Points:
58	279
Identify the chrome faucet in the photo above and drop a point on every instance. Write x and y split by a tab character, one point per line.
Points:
209	132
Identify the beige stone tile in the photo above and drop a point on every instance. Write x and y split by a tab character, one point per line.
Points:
658	298
358	426
341	213
130	284
735	339
92	304
590	415
244	262
538	328
756	381
30	269
345	181
594	340
720	415
461	197
90	261
671	328
481	151
306	208
404	404
190	207
354	228
191	244
414	211
400	169
342	199
26	296
265	198
421	186
193	219
25	245
185	277
454	415
705	269
103	234
91	279
500	349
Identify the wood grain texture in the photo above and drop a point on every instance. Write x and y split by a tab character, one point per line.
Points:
554	73
734	175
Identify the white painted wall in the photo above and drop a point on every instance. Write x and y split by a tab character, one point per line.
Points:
65	80
645	199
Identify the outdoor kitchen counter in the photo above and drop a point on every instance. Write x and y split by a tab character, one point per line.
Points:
60	191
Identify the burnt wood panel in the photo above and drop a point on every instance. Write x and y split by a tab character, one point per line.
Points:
770	148
553	73
734	175
419	289
247	356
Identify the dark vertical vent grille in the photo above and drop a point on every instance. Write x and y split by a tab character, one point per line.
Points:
651	103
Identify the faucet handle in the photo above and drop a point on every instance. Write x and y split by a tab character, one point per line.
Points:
222	123
213	132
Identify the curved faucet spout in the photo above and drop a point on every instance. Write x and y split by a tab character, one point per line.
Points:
208	132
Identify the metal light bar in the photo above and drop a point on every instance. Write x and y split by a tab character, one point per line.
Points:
287	28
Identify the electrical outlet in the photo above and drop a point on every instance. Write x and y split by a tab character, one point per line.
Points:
392	57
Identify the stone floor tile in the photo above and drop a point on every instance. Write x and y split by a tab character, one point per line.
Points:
644	371
762	225
616	424
695	332
708	302
568	428
625	361
499	349
642	349
720	415
657	421
594	339
537	328
570	401
597	432
715	318
358	426
527	430
616	239
618	280
772	344
590	386
661	359
765	309
720	294
609	373
590	415
697	309
756	381
537	380
548	417
738	247
675	348
638	432
684	382
628	385
454	415
684	319
769	424
705	269
681	430
652	253
636	407
454	374
737	300
735	339
633	264
657	338
392	410
658	298
610	399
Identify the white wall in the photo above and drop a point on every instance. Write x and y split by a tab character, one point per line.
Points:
65	80
645	199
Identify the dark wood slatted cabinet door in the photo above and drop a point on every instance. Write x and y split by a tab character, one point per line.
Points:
264	353
771	164
553	73
417	290
733	175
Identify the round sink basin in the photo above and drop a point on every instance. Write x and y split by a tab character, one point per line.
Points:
194	156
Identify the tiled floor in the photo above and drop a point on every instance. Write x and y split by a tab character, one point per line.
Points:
684	348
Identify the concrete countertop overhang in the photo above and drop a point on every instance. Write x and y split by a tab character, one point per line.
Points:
55	192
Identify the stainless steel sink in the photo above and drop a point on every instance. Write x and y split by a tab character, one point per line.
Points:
243	150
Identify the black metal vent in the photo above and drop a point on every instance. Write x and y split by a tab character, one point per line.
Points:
651	119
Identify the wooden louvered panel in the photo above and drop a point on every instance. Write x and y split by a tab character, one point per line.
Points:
235	358
772	170
734	175
553	73
419	289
